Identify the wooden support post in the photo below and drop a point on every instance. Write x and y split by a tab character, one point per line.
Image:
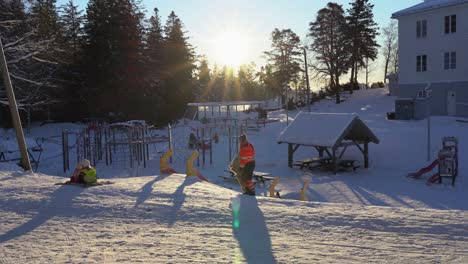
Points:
203	145
198	147
67	151
111	145
304	189
64	152
78	146
291	150
211	147
113	140
335	164
230	143
238	132
25	162
106	145
169	134
366	155
290	155
320	151
130	148
143	146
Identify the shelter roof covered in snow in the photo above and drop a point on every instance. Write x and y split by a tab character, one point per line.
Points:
426	6
329	129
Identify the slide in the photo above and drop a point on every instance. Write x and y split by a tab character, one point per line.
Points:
417	175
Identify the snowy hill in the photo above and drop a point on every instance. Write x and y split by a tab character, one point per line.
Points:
374	215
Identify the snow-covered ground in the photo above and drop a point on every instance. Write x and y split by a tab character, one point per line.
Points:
374	215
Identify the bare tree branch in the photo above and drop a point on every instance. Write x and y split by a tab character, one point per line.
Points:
5	47
25	80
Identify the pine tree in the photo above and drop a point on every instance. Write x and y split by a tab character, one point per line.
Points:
154	46
178	66
285	57
250	88
71	27
330	45
46	16
204	81
113	34
362	33
70	40
153	60
216	93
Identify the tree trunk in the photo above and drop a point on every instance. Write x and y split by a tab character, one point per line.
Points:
387	61
367	73
351	79
337	89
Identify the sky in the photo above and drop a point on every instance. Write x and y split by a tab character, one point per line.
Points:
374	215
238	31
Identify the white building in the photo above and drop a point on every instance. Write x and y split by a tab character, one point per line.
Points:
433	49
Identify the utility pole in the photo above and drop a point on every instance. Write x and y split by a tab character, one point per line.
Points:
307	79
25	163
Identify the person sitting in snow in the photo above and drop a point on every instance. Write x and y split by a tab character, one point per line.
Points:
85	174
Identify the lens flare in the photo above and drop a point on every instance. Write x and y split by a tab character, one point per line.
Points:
235	206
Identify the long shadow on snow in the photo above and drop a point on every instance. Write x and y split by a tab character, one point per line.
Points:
250	230
147	189
60	200
179	199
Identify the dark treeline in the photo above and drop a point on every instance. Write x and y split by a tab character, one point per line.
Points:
110	61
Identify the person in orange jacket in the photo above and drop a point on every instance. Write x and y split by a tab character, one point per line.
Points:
247	165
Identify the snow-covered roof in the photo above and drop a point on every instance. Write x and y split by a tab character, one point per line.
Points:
427	5
328	130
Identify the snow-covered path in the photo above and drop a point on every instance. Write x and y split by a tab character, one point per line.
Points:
173	219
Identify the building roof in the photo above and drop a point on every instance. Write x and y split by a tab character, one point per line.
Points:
427	5
326	130
230	103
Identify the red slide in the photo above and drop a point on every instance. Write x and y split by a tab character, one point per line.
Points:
203	178
168	171
418	174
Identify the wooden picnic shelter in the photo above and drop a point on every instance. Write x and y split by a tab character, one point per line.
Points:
331	134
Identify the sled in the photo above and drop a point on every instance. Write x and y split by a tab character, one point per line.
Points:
85	185
258	177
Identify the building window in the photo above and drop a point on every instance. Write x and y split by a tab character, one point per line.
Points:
450	24
421	29
450	60
421	63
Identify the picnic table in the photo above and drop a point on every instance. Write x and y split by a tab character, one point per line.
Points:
325	163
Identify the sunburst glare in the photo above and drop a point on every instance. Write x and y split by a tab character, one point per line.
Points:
231	49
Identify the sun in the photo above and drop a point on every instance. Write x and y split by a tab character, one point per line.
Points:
231	49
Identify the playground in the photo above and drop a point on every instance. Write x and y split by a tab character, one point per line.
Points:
188	218
137	149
